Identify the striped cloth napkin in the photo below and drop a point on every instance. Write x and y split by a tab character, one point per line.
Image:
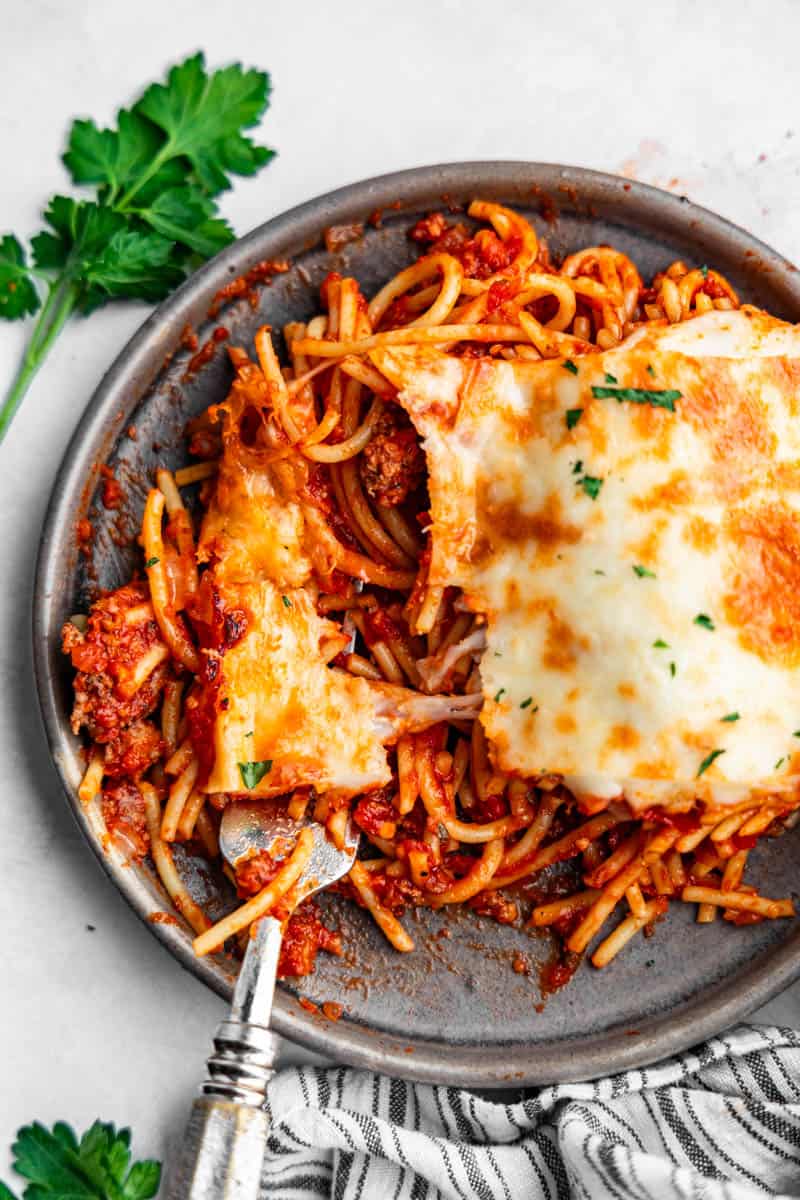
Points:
721	1122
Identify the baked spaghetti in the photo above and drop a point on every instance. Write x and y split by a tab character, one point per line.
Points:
503	563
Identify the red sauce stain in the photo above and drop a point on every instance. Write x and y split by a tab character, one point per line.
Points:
245	285
163	918
206	351
332	1010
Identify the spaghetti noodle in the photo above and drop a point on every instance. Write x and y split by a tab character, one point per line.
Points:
337	519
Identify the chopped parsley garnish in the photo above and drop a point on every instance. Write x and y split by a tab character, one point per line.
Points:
704	621
573	415
286	602
730	717
151	562
591	485
643	572
250	734
650	370
576	470
796	733
658	399
779	763
707	761
660	644
253	772
704	271
498	695
610	378
597	571
672	669
569	365
528	702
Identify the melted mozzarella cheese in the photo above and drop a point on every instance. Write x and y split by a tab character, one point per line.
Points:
316	726
638	568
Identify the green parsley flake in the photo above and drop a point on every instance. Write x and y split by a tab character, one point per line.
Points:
250	734
610	378
569	365
643	572
672	669
704	271
657	399
576	470
796	733
707	761
730	717
660	644
151	562
591	485
286	602
704	621
572	416
528	702
650	370
498	695
779	763
597	571
253	772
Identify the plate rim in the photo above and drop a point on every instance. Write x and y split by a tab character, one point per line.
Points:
719	1005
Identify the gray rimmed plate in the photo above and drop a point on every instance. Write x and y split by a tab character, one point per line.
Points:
454	1011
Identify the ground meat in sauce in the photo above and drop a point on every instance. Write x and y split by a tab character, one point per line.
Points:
304	936
255	873
392	464
376	815
132	751
124	816
496	906
105	658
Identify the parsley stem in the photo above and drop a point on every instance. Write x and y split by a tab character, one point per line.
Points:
56	310
165	153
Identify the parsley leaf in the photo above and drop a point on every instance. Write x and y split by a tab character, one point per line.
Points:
18	296
796	733
569	365
151	562
253	772
672	669
591	485
578	467
153	217
498	695
203	116
779	764
572	416
660	644
643	572
286	602
707	761
650	370
528	702
734	716
98	1167
658	399
704	271
704	621
610	378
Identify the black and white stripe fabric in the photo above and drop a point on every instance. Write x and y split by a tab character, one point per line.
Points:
721	1122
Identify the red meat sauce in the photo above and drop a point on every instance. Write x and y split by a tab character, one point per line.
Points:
481	255
124	816
392	462
111	492
107	704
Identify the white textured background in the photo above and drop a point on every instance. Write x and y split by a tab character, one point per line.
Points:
699	98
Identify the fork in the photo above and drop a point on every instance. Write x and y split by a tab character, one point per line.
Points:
223	1146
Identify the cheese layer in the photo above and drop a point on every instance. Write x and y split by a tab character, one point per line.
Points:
315	725
638	568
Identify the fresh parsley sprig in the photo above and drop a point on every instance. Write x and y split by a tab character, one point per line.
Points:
154	216
98	1167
